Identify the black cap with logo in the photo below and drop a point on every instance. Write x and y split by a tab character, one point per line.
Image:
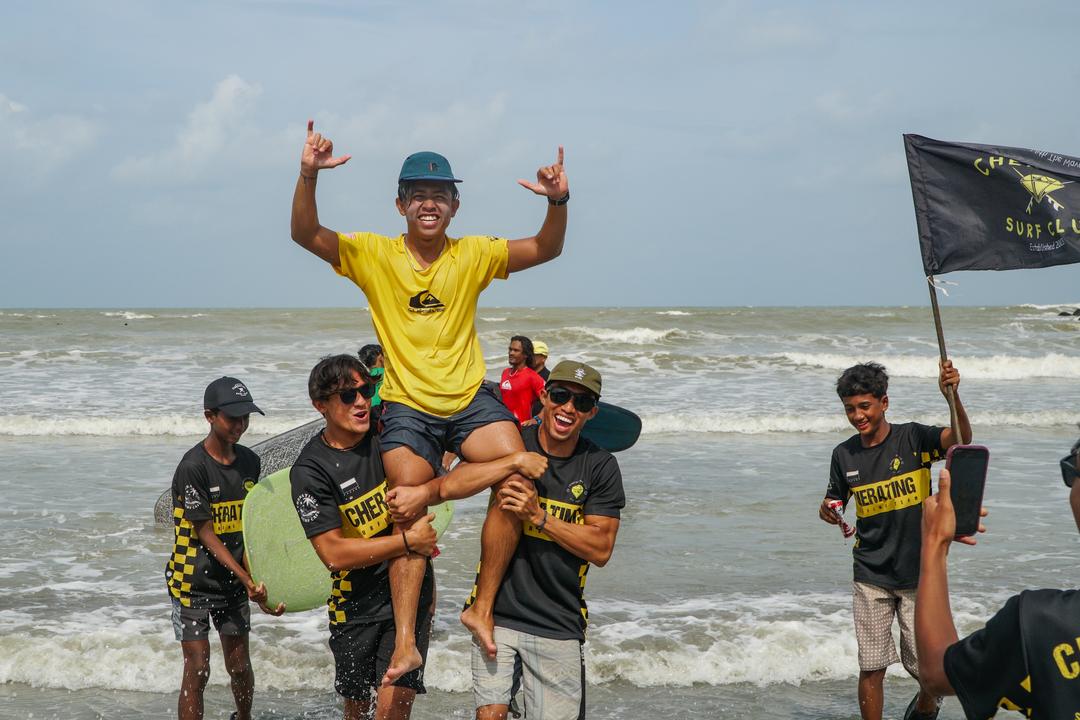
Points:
230	396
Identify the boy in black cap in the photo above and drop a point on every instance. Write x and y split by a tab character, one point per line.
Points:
422	287
205	575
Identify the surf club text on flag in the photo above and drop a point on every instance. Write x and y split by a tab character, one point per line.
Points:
983	207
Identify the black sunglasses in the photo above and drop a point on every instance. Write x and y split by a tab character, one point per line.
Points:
1069	470
583	402
348	397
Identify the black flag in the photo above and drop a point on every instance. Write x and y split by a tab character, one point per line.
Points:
981	207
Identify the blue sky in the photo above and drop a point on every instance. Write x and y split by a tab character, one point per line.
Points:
719	153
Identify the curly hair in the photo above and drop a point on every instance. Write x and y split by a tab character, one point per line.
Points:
863	379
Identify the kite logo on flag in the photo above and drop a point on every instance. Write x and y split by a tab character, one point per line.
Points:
1040	187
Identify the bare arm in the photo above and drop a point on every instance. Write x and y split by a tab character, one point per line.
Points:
338	552
592	541
547	244
934	627
950	377
306	230
465	480
204	529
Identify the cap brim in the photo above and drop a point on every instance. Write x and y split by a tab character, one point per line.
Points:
439	178
240	409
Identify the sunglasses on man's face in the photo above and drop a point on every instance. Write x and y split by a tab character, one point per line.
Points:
583	402
348	397
1069	470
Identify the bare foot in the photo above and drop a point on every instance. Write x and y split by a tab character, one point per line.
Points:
483	629
402	661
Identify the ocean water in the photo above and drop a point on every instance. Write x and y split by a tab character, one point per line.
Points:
726	597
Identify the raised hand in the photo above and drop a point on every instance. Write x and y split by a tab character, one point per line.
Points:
947	375
550	180
939	517
318	153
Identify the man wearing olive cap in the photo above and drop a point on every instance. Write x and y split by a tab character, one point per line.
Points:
570	517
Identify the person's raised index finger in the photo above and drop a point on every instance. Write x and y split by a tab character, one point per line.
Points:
560	160
310	127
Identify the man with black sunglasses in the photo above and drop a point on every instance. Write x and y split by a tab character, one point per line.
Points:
569	517
339	490
1026	658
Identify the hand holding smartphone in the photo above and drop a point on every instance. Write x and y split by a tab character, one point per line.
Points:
967	465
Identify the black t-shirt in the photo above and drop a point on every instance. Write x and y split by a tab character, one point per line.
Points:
204	489
889	482
347	489
1027	659
543	590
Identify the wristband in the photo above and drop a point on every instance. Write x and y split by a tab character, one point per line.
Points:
309	177
408	550
561	201
542	523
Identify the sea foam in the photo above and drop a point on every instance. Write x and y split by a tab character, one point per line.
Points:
995	367
716	640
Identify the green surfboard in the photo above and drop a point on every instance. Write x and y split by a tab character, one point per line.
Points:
280	555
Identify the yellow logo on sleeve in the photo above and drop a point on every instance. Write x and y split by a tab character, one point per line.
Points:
896	493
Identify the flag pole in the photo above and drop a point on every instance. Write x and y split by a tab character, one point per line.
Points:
950	395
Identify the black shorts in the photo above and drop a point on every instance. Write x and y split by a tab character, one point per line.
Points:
362	652
429	436
194	623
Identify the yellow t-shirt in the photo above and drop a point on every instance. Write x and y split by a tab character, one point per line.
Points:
425	319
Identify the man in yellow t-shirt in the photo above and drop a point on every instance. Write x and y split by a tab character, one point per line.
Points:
422	288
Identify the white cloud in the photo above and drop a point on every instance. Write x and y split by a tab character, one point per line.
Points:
36	145
215	133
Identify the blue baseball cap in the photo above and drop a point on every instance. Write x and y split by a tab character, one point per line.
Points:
427	165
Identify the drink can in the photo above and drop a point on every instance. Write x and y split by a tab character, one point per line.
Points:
837	506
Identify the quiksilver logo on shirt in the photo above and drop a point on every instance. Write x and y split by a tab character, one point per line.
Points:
424	302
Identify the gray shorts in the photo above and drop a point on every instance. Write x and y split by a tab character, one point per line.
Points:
551	672
194	623
429	436
874	609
